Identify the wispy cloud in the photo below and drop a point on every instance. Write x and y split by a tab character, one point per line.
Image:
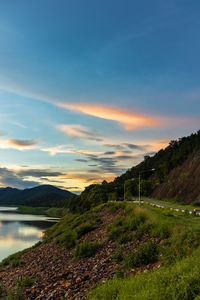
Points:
18	144
38	173
66	149
79	131
129	120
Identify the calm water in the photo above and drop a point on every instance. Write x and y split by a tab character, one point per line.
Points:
18	231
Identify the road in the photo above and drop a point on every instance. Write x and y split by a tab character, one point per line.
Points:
161	204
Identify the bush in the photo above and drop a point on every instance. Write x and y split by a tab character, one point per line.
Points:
86	249
14	260
85	228
118	256
181	244
145	254
133	222
161	230
124	238
180	281
67	240
115	233
144	228
20	293
2	291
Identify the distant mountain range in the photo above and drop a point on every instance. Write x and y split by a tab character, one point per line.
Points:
43	195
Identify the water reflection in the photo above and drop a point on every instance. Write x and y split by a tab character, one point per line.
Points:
18	232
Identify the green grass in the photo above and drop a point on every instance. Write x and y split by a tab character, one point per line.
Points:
171	238
145	254
20	292
68	239
178	253
86	249
179	282
85	228
14	260
118	255
73	222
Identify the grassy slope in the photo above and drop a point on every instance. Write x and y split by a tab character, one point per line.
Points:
179	281
171	240
179	275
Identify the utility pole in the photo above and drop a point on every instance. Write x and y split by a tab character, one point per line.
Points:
139	189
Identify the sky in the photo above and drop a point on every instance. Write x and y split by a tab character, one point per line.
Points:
87	88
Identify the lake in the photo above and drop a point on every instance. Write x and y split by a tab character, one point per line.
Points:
20	231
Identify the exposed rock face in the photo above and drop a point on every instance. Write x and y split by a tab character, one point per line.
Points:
182	183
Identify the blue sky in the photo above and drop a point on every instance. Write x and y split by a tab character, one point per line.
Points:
87	88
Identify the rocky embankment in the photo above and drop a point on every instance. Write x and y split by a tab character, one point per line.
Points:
182	183
59	276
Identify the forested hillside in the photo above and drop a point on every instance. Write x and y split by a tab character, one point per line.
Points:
43	195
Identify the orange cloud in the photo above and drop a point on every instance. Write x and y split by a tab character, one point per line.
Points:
22	143
18	144
87	178
155	145
129	120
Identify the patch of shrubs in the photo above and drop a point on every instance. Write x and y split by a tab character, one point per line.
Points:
20	292
86	249
145	254
68	239
180	244
161	230
14	260
118	256
133	222
85	228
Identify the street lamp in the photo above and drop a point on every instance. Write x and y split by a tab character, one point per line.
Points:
125	185
139	187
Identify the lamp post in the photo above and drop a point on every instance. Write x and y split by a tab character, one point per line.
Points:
125	187
139	186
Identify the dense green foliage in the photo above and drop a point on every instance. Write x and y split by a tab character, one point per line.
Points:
56	212
42	196
32	210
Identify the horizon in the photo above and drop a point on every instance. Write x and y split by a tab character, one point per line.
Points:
88	89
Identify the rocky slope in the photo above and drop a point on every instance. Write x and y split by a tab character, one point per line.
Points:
58	276
183	182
